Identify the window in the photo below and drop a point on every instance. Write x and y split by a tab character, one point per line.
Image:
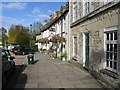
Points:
75	47
87	7
75	11
111	50
107	1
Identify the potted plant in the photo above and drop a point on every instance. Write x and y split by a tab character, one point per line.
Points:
63	56
53	39
43	50
40	49
61	39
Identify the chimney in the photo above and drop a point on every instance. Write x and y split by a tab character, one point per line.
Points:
55	15
45	21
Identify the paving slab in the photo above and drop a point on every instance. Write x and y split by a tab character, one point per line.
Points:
31	85
48	73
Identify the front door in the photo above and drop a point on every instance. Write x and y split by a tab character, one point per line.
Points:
87	50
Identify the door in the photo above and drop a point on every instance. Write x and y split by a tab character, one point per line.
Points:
87	50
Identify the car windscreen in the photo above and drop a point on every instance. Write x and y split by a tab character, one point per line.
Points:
18	47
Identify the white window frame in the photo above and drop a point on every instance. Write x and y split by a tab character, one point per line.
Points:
74	55
87	7
110	30
75	11
84	50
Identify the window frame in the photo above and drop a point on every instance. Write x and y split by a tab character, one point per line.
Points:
87	7
75	11
75	47
110	42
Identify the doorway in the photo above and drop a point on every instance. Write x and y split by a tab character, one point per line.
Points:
86	50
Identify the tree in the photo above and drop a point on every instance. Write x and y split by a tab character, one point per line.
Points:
18	35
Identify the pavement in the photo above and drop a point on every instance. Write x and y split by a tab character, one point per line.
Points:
49	73
20	66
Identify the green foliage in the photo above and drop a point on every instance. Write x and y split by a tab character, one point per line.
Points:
42	49
18	35
51	50
64	55
4	39
33	46
56	39
44	40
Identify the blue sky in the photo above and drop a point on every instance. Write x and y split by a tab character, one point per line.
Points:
26	13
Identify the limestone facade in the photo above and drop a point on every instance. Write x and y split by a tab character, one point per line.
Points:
105	19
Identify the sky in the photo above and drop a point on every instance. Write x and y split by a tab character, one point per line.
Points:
26	13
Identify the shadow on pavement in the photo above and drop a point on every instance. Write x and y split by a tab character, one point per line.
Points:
35	61
17	77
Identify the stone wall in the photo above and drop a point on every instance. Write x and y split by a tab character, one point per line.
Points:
95	27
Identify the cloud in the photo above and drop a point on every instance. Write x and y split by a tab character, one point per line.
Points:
44	16
8	21
50	11
39	16
36	10
17	6
34	16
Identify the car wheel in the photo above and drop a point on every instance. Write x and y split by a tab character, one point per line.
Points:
3	81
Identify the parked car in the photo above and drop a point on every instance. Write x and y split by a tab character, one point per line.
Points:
22	50
28	50
8	65
18	50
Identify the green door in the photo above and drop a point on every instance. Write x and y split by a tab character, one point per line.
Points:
87	50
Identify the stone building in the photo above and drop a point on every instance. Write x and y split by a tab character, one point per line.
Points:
57	26
95	39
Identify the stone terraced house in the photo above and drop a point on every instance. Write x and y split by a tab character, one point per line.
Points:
92	33
95	39
58	26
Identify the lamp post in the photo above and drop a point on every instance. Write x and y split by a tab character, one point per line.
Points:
5	45
30	34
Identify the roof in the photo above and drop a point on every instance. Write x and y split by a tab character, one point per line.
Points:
62	12
46	26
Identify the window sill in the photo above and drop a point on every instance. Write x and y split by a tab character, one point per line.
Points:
110	73
74	58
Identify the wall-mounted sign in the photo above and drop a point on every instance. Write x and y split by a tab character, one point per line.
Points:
51	34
